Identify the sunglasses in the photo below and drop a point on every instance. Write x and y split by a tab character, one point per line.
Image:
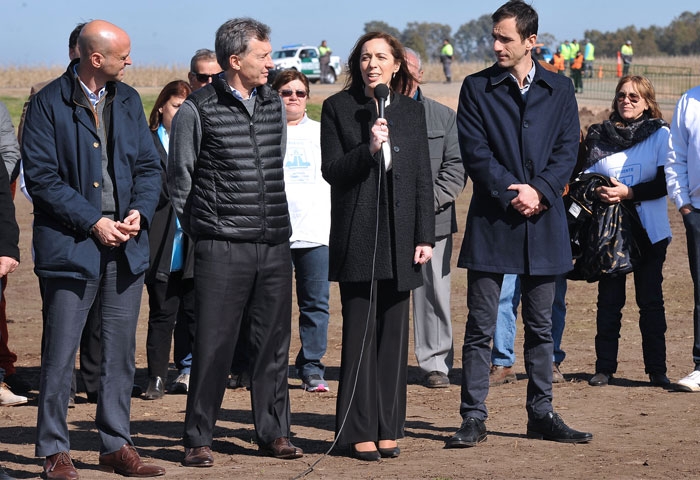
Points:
634	97
203	77
289	93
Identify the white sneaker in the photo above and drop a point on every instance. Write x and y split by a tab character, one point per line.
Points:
690	383
181	384
7	398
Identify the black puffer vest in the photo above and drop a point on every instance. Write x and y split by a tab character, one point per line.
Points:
238	191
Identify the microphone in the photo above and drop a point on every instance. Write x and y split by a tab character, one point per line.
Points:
381	93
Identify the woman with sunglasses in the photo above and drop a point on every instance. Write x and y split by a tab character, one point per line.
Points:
169	278
631	148
382	230
309	201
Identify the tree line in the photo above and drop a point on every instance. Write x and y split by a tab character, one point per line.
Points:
472	41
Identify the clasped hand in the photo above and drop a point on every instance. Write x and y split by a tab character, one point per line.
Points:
113	234
615	194
528	202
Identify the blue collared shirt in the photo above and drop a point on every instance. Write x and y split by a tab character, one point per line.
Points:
94	98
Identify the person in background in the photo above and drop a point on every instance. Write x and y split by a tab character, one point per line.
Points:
631	148
324	60
588	58
566	54
446	54
309	200
234	207
577	72
203	68
169	279
503	351
9	247
627	53
559	63
93	174
432	322
683	186
10	161
516	221
382	232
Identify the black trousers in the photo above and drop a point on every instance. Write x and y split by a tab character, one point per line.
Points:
169	302
648	278
374	408
230	279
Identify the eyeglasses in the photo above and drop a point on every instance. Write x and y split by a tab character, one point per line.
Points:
289	93
203	77
634	97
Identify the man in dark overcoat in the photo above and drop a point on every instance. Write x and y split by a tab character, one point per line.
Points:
518	131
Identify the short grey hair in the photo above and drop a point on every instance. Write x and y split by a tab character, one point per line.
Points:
410	51
201	54
233	38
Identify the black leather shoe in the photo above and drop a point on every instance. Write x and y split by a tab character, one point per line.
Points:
552	427
155	389
659	380
471	433
198	457
600	379
282	448
370	456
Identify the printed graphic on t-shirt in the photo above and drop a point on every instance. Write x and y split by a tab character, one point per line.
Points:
297	166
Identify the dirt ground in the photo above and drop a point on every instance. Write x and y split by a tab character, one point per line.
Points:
639	431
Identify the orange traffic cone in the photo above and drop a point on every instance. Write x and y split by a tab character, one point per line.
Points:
600	72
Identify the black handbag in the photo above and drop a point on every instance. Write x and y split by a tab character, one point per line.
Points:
606	238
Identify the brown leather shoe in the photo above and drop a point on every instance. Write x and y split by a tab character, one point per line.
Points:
198	457
500	375
282	448
126	461
59	466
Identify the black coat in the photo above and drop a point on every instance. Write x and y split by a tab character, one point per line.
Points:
162	231
406	213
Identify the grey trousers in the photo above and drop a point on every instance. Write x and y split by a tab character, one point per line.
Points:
432	322
67	303
483	292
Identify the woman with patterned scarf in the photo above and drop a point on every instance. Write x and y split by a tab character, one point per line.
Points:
631	148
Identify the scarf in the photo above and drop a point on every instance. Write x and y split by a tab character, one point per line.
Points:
615	135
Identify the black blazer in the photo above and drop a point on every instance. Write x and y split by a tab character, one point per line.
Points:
406	213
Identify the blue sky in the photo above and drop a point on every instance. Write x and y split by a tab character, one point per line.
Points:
35	32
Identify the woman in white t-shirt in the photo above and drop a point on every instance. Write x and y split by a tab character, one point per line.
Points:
309	201
631	148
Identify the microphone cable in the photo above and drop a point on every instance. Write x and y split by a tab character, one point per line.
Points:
311	467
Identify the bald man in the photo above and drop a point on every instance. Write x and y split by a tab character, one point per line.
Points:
94	175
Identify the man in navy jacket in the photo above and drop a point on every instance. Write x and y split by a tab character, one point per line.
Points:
94	175
518	131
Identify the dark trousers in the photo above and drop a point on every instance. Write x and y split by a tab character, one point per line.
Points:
483	292
229	277
371	403
169	302
692	235
652	316
67	303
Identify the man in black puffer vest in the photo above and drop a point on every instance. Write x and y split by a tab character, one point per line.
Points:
226	183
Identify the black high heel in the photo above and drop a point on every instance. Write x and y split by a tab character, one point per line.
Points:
369	456
389	452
